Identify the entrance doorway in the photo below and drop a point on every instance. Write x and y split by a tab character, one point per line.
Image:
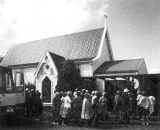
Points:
46	90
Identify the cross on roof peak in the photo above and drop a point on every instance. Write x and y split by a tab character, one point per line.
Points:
105	16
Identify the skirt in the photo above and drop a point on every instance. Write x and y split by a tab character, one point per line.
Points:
85	115
61	110
66	112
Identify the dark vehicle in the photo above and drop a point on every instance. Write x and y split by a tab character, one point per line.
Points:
12	96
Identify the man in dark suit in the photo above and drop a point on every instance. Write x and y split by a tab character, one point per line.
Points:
125	106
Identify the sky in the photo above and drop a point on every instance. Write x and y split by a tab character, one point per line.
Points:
133	25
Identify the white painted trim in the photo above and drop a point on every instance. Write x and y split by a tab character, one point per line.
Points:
40	64
116	74
104	85
101	44
110	47
51	88
36	83
109	79
119	78
21	66
105	32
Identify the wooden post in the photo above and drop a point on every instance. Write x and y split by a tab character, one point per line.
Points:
115	86
133	82
104	85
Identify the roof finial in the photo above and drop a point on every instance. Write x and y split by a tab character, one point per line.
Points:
105	16
105	20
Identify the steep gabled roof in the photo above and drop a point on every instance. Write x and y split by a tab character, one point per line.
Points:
120	66
58	60
54	60
72	46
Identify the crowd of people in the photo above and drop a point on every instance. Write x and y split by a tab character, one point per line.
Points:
93	107
33	103
87	107
80	106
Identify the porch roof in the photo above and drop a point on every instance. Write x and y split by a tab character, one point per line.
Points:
119	66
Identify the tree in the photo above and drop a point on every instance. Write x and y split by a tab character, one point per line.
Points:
89	84
30	86
69	77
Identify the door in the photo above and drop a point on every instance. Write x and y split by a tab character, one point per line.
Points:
19	88
46	90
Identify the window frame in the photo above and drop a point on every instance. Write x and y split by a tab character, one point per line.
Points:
21	81
3	73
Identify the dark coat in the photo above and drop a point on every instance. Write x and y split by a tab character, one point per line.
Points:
125	100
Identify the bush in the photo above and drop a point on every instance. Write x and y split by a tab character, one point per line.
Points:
30	86
69	77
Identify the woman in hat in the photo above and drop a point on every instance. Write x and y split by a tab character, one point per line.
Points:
103	107
56	105
38	104
76	107
117	103
85	115
62	105
67	107
95	108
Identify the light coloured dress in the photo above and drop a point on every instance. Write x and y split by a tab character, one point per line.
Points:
86	109
152	103
67	107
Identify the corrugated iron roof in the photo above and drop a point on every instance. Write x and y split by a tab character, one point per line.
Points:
119	66
72	46
57	60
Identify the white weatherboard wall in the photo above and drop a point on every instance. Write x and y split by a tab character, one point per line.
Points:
100	84
86	70
28	74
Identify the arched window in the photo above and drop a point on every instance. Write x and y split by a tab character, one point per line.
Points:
46	90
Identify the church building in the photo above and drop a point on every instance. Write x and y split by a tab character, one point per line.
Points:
41	60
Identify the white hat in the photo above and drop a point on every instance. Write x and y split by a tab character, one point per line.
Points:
126	90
